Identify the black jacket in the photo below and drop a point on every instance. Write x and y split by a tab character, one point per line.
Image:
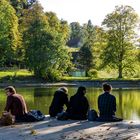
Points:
78	107
59	100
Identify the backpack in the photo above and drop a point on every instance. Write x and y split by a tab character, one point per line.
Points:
92	115
35	115
7	119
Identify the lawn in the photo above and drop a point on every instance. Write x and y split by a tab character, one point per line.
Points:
15	73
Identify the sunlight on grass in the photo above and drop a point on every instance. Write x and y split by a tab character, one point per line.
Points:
75	78
22	72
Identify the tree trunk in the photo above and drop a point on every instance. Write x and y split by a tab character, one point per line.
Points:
120	71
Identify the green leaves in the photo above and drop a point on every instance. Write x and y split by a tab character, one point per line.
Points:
121	25
9	34
45	39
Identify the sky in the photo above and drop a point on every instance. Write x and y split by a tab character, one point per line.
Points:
83	10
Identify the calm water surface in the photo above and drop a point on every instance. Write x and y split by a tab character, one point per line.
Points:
128	100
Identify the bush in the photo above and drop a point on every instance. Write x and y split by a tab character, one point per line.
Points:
53	75
93	73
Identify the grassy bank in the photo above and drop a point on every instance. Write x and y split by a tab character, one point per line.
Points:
15	72
23	75
15	75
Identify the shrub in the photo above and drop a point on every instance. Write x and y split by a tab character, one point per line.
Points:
93	73
53	75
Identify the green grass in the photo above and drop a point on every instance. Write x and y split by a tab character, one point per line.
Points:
23	75
15	75
75	78
100	79
12	73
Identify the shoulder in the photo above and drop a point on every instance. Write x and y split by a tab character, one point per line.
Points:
72	97
57	93
85	98
112	96
101	95
17	96
10	97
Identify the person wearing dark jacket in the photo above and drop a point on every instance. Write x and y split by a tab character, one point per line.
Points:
78	105
59	100
15	103
107	105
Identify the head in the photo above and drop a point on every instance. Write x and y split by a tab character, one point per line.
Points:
10	90
64	89
81	90
107	87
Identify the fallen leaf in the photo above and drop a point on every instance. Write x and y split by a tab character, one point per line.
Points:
33	132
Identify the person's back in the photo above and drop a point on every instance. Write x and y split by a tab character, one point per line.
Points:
15	103
59	100
78	105
107	105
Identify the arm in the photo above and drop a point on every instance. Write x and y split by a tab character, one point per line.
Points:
24	104
85	105
114	105
8	103
66	101
99	103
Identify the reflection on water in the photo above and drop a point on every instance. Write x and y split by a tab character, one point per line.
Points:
128	105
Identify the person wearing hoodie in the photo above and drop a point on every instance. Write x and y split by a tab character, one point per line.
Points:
60	99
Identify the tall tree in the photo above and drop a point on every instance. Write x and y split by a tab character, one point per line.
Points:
46	53
86	54
100	41
60	55
86	57
9	34
76	34
120	25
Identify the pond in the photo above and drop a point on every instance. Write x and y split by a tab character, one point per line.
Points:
128	100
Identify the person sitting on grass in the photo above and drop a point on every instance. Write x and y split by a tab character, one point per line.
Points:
107	105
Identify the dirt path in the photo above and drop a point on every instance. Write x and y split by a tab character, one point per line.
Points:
52	129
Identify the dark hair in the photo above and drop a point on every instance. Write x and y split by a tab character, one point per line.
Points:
11	89
80	90
107	87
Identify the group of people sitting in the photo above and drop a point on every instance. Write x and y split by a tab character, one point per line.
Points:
77	106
